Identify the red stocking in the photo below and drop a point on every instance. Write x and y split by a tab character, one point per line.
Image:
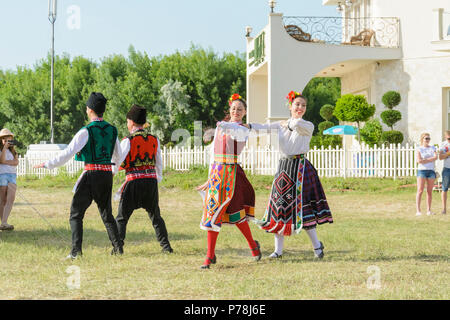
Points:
245	229
212	238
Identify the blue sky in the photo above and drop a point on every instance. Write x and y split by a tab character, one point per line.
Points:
107	27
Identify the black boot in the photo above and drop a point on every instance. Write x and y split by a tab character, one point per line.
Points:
117	251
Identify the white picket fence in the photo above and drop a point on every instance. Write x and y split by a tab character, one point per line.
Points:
393	161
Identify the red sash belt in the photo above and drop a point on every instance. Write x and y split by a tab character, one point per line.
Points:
97	167
142	172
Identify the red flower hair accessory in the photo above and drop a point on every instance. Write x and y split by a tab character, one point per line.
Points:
233	97
292	95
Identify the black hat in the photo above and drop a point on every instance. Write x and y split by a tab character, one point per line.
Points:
97	102
138	114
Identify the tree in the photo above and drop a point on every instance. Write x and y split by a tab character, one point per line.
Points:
172	111
354	108
319	92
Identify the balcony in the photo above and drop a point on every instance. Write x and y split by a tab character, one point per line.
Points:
368	32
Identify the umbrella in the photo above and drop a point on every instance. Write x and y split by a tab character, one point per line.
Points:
345	129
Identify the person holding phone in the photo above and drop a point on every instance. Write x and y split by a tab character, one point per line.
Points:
8	175
444	154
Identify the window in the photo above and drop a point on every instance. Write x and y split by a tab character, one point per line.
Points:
448	108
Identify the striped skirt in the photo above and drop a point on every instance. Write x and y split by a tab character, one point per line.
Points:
230	198
297	199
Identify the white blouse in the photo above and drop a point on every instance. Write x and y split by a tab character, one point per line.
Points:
292	140
5	168
426	153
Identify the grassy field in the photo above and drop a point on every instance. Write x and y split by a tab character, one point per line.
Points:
376	235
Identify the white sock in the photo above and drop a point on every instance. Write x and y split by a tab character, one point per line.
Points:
279	243
314	240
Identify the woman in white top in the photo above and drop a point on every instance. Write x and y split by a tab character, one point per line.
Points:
297	199
8	174
426	157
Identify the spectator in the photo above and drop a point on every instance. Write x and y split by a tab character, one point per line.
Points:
8	174
426	157
444	154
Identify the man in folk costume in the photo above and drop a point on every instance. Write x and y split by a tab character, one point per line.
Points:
97	145
141	159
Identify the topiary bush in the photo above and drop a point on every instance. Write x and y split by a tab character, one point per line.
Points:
391	117
392	136
372	132
391	99
354	108
326	112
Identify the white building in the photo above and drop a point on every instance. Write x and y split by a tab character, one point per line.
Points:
408	51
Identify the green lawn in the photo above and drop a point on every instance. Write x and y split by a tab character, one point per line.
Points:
375	232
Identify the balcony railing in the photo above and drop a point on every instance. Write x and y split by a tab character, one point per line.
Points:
373	32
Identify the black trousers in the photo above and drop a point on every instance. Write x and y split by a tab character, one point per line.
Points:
142	193
97	186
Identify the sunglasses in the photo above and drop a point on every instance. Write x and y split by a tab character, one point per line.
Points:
448	139
426	138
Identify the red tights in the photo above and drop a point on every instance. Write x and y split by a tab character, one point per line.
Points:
243	227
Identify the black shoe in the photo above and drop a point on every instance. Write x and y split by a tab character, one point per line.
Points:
257	248
117	251
321	254
74	255
210	261
167	250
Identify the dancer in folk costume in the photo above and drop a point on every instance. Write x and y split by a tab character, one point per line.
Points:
297	200
97	146
230	198
142	161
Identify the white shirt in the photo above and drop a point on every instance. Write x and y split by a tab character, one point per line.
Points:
6	168
76	145
426	153
125	147
234	129
444	148
292	141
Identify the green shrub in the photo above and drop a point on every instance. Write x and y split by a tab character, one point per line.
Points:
391	99
371	132
390	117
392	136
326	112
354	108
324	126
325	141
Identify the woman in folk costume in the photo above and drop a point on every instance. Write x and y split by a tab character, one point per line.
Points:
297	200
230	198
